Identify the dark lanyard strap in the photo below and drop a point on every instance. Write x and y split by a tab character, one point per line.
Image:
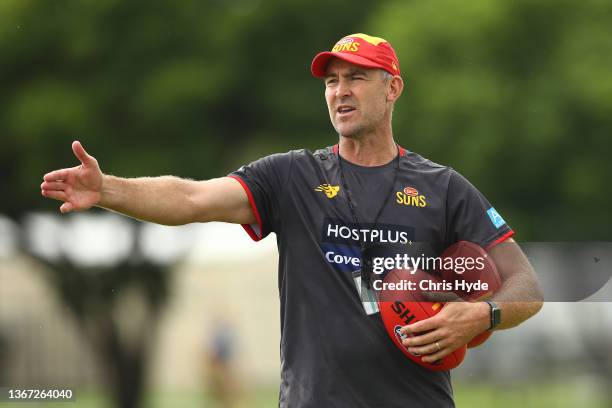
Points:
365	277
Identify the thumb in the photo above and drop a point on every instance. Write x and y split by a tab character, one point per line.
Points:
80	153
66	208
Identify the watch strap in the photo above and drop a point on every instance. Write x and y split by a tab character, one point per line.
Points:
495	315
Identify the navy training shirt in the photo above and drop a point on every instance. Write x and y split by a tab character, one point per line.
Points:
333	354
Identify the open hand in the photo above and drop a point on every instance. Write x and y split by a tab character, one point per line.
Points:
78	187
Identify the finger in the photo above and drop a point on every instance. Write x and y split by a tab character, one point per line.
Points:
414	329
80	153
56	195
428	349
432	358
66	208
422	339
57	175
53	185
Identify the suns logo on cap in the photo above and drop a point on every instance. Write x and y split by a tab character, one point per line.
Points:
349	43
345	40
346	44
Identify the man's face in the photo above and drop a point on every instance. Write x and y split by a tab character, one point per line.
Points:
356	98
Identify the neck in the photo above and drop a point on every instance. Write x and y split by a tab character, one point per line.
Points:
369	152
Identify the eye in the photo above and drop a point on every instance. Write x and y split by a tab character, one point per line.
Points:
357	77
330	81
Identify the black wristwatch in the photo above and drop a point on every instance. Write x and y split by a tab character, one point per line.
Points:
495	314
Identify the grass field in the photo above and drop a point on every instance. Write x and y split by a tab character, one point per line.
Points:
466	396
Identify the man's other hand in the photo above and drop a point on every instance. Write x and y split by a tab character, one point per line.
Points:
456	324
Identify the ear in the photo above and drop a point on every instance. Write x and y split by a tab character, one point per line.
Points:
396	86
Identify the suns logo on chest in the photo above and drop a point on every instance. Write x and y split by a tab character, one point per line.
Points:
410	196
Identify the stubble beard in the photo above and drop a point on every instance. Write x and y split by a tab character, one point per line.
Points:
355	134
356	131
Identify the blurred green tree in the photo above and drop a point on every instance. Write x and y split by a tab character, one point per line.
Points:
515	95
191	88
159	87
518	97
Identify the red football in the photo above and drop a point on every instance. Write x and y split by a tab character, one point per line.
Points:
401	307
465	263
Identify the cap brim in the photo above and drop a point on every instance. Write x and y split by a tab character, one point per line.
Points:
320	61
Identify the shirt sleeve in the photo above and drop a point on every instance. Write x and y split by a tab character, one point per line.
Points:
470	216
264	182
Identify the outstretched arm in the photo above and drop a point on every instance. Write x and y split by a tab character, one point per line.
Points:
164	200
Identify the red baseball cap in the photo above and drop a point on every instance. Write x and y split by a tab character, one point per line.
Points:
359	49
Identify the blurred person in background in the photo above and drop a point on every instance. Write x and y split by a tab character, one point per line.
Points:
222	383
326	209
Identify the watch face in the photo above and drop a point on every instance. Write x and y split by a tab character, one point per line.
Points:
495	315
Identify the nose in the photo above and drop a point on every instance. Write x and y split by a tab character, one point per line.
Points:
343	89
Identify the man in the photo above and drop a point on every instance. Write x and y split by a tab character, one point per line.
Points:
328	209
